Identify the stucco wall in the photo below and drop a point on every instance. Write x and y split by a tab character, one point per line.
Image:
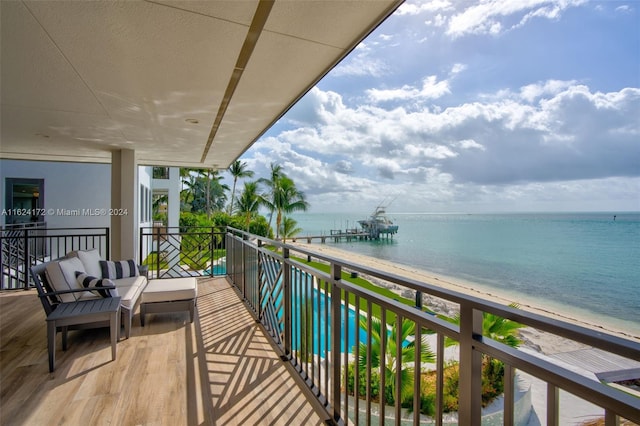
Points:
69	188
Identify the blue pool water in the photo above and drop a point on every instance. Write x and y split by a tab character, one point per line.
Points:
216	270
321	322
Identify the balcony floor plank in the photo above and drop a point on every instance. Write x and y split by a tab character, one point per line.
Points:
220	369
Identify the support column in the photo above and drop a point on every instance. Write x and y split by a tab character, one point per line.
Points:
173	205
124	197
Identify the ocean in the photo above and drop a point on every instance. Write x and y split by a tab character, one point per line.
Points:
582	265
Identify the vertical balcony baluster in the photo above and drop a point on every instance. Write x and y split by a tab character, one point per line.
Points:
336	275
553	398
286	281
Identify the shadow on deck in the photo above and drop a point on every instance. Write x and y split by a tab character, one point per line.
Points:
219	370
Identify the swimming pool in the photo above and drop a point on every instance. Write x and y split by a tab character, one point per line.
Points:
216	270
318	303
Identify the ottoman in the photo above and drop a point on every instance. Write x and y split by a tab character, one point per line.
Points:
170	295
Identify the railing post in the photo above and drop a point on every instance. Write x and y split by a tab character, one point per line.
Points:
141	244
509	397
2	258
213	250
470	406
336	275
553	398
611	419
286	281
439	379
158	254
258	288
108	247
245	270
25	273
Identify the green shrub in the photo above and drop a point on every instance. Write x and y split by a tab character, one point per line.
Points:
492	386
492	379
428	404
362	385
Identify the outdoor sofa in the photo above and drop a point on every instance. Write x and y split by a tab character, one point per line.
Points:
86	270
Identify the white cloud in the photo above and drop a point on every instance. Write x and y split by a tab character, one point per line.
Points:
361	63
531	92
487	17
458	68
418	7
431	89
469	144
625	8
571	134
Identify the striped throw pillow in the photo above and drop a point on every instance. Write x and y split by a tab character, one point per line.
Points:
119	269
87	281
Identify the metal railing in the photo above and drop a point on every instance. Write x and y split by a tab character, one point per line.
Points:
323	325
172	252
28	244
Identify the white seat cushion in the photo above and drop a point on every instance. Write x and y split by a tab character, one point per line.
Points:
170	289
129	294
130	281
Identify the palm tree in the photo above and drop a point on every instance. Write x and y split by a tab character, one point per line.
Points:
407	357
205	192
494	327
287	199
187	194
248	203
190	184
289	228
268	199
237	169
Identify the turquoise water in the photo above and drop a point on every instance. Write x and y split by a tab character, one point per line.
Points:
321	323
586	264
216	270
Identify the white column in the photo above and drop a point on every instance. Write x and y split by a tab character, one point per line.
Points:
173	204
124	198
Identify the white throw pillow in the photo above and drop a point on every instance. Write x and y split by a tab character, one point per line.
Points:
91	261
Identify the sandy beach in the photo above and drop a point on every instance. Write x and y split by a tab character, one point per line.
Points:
539	341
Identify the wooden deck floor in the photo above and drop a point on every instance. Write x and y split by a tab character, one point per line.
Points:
220	370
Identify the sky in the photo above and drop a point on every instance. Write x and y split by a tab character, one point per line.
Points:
473	106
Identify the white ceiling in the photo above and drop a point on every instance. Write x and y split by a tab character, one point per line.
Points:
80	79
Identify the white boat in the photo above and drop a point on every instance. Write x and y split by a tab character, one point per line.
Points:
378	223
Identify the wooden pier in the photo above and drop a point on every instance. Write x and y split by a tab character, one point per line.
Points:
337	235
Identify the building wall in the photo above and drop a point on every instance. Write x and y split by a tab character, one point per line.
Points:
75	194
78	195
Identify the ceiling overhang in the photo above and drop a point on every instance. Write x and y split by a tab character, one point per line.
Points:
183	83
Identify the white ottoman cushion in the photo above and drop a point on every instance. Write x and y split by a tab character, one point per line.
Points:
170	289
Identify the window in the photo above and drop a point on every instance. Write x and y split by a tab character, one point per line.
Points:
24	200
161	172
145	204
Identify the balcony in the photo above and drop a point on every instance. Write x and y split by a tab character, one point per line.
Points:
221	369
258	354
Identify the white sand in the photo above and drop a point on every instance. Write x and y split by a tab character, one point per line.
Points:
541	341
